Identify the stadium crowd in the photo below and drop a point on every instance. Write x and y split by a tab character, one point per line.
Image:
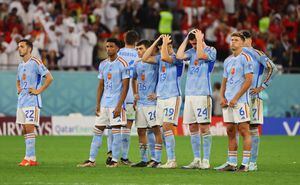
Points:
71	33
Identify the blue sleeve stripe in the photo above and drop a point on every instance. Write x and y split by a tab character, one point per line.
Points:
269	73
38	81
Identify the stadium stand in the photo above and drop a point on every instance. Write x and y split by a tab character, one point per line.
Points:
59	28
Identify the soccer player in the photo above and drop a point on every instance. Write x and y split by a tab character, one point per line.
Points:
112	90
130	55
237	79
29	86
144	87
261	63
198	102
168	91
150	133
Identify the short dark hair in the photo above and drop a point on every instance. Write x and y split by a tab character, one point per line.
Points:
160	42
191	36
27	42
131	37
146	43
114	40
238	34
246	33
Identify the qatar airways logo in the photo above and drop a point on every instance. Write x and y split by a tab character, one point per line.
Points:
10	128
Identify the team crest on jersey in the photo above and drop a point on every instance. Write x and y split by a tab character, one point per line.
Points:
24	76
232	71
143	77
163	69
196	62
109	75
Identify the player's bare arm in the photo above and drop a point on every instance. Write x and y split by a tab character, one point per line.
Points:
200	46
180	52
48	81
135	92
19	89
271	71
99	96
257	90
224	102
246	85
135	89
165	56
117	111
147	57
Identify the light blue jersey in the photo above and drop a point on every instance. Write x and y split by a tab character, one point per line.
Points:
112	72
168	78
199	71
30	75
147	76
235	69
130	55
260	63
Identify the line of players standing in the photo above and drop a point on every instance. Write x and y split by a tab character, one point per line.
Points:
154	99
152	73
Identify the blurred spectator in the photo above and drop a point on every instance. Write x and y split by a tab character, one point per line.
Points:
99	11
101	29
274	23
166	19
3	52
276	26
128	16
194	11
291	21
12	49
87	43
3	13
229	6
72	43
111	13
38	38
12	20
147	12
223	34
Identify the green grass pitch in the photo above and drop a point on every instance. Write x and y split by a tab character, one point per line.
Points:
279	163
